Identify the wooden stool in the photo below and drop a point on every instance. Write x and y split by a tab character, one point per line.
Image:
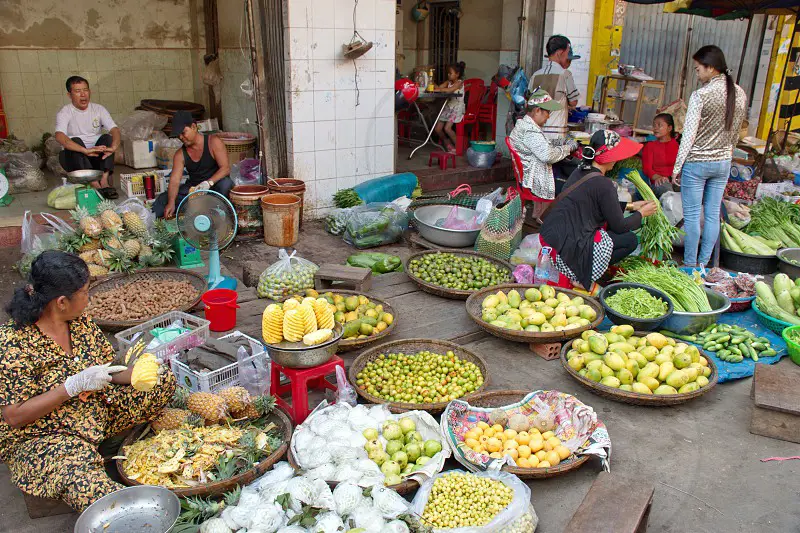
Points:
301	381
442	158
776	402
42	507
599	511
357	279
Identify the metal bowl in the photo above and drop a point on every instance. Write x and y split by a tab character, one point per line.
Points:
785	265
639	324
426	218
691	323
140	508
84	177
298	355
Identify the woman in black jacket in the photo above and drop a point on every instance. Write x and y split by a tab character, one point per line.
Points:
587	227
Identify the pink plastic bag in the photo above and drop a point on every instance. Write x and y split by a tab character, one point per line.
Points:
454	222
523	274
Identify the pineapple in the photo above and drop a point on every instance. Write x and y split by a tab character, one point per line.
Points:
90	244
180	398
272	324
72	242
324	313
88	224
111	240
131	247
102	257
317	337
236	398
96	271
293	326
144	250
148	261
108	215
309	320
119	262
170	418
89	257
260	406
209	406
133	223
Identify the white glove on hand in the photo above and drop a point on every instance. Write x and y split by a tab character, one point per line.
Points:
91	379
204	186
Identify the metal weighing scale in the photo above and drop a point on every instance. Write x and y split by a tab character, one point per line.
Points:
87	196
186	255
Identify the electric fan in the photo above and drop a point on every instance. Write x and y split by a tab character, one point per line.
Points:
207	221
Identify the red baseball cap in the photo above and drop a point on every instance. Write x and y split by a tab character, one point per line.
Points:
610	147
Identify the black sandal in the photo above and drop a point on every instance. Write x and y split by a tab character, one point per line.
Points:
109	193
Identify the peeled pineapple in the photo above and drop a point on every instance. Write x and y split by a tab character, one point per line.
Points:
309	319
317	337
209	406
145	373
290	304
293	326
272	324
308	300
324	313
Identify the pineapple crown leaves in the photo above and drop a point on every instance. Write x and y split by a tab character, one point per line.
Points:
196	510
232	497
107	205
119	262
264	404
180	398
79	214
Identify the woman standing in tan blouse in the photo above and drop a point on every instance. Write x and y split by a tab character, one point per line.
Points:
710	132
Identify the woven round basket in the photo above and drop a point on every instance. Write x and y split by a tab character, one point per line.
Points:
277	417
444	292
409	485
474	310
346	345
162	274
501	398
636	398
414	346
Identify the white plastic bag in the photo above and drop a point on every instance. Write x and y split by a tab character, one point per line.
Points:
139	125
519	507
345	393
254	372
528	251
137	206
288	276
37	237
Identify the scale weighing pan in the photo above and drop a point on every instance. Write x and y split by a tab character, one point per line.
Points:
84	177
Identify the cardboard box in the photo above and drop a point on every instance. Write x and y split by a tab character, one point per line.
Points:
139	154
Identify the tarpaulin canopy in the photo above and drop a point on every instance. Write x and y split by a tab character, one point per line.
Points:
727	9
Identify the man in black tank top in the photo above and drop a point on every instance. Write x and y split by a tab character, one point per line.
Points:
205	159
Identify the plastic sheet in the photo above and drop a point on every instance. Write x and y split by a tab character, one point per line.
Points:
387	188
375	224
453	221
23	171
139	125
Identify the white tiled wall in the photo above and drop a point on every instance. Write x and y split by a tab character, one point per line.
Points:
574	19
340	113
32	82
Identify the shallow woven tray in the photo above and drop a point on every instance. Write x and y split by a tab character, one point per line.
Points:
501	398
444	292
532	337
277	417
346	345
112	282
414	346
636	398
409	485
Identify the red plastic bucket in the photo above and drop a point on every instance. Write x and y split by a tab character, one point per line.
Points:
221	309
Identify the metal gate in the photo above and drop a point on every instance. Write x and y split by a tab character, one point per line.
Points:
444	23
663	45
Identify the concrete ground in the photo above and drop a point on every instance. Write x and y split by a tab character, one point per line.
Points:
700	457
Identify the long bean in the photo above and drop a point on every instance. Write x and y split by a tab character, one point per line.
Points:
686	295
657	234
637	303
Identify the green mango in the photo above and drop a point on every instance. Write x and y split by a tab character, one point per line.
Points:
606	371
677	379
650	383
532	327
681	360
701	381
665	389
594	374
689	387
632	367
626	330
621	347
649	352
595	364
614	361
514	299
665	369
351	329
591	356
576	363
641	388
639	358
598	344
372	321
625	377
533	295
626	388
662	358
692	372
610	381
502	308
650	370
613	337
572	353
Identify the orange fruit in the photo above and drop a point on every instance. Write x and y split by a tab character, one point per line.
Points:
524	451
523	463
552	458
511	453
547	434
488	432
554	441
495	455
543	464
510	444
472	443
523	437
563	452
497	428
541	454
483	425
510	433
494	445
533	461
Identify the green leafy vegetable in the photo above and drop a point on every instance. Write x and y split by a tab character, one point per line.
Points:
686	295
637	303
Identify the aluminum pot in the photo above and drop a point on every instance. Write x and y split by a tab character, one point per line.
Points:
789	262
84	177
426	217
298	355
691	323
140	508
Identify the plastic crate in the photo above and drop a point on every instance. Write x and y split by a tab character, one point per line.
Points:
133	184
791	346
196	337
216	380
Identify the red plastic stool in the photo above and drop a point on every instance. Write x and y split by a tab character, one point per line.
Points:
442	158
301	381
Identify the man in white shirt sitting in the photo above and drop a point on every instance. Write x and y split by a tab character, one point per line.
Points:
79	129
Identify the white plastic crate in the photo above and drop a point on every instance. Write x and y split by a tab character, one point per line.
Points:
196	337
222	378
133	184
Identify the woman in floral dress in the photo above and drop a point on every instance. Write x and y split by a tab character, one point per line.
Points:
50	353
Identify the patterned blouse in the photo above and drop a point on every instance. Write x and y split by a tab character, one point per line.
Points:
704	135
538	155
31	363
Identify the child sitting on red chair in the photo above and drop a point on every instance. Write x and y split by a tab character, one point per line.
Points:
454	109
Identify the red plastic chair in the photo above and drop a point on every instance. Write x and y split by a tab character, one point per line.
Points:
487	113
474	89
516	165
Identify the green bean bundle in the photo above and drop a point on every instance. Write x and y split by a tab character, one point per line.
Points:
637	303
656	234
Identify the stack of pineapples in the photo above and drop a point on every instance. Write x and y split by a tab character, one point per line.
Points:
117	242
196	408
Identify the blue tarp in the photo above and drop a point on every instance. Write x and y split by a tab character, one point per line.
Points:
387	189
730	371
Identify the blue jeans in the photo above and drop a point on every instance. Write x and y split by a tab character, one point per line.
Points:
702	185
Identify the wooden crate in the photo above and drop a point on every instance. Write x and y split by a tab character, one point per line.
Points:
776	402
330	276
601	511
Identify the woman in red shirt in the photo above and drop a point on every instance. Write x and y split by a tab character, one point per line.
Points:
658	157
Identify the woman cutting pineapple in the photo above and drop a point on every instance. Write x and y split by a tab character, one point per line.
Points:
59	395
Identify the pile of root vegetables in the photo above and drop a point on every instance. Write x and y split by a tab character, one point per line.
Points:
141	299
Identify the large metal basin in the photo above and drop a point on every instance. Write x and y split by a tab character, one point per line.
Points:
426	218
789	262
691	323
140	508
298	355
